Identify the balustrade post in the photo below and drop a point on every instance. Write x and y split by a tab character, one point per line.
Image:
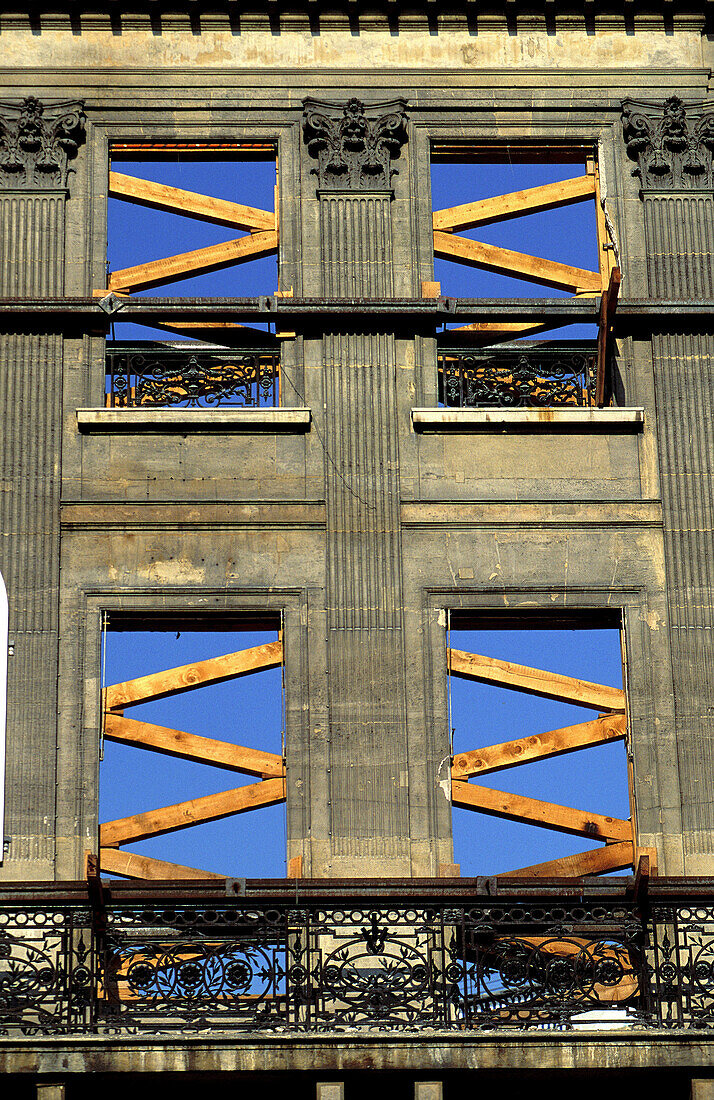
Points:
55	1090
429	1090
330	1090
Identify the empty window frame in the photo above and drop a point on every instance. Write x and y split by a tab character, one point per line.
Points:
215	211
540	775
187	709
518	221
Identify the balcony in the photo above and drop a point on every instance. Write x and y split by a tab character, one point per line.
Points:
190	376
527	375
319	956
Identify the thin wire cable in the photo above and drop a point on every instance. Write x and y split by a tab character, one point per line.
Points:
324	446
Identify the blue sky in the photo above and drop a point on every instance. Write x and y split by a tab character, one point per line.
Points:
249	711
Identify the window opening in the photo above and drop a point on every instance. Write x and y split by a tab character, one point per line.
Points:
187	713
522	223
189	221
540	728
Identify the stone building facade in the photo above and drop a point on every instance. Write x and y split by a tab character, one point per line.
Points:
365	507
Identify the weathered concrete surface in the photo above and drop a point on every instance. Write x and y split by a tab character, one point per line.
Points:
195	521
437	1054
455	49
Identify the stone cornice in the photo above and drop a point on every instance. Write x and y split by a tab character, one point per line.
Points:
162	16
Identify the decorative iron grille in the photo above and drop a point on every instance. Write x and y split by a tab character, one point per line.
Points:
525	376
48	970
187	376
150	961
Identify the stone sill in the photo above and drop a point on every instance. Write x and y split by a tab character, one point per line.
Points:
528	420
189	420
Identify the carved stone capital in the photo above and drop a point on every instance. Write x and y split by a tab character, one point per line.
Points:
672	144
37	144
354	146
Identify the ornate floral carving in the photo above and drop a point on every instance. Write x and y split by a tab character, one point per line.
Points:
354	151
672	144
37	143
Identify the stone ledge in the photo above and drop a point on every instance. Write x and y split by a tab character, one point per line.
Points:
190	420
433	1052
528	420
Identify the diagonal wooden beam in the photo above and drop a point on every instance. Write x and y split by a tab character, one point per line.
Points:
112	861
199	262
596	861
173	681
188	746
174	200
502	208
558	742
606	334
536	681
212	807
531	811
534	269
485	333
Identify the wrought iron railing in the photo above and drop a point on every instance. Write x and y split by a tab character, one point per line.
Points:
151	958
527	375
190	376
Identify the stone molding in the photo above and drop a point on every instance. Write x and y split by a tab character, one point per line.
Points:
237	419
37	143
673	144
523	420
354	150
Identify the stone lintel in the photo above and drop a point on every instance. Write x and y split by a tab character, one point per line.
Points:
201	420
524	420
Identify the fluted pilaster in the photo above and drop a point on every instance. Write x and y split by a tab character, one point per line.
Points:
369	822
673	147
36	146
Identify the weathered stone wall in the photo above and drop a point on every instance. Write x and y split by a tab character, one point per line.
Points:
190	520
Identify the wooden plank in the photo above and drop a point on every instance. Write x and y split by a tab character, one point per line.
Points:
606	334
531	811
608	259
213	258
159	196
536	681
188	746
212	807
509	754
130	865
596	861
174	681
502	208
533	269
489	332
295	867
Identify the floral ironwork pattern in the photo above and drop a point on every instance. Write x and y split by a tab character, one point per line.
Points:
399	968
161	377
147	965
672	144
47	971
37	143
506	378
354	151
682	949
